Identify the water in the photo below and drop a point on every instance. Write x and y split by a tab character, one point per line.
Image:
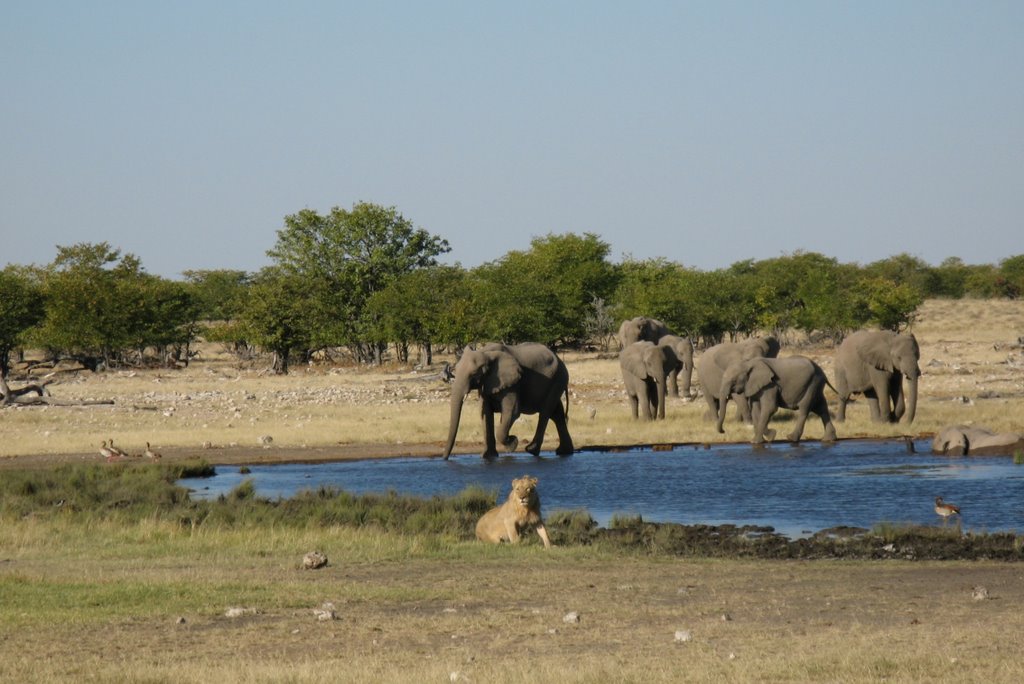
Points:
795	489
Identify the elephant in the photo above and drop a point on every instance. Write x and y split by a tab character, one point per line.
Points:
793	382
641	328
963	440
712	364
684	363
874	363
515	379
645	369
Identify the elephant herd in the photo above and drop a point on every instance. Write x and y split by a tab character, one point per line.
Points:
872	363
530	379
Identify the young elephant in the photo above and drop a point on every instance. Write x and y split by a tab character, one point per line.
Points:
645	369
794	382
521	510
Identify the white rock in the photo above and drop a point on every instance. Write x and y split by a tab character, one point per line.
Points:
683	635
314	560
571	618
237	612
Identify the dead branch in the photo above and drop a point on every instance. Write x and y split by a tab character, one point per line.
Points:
22	396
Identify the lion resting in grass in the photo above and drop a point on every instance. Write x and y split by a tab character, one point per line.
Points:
522	510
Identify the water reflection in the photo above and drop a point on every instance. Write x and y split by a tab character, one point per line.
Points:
795	489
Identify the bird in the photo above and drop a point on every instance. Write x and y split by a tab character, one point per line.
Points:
117	452
945	509
107	453
149	453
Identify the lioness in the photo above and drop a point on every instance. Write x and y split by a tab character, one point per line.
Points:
522	510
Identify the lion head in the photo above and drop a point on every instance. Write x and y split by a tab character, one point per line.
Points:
524	491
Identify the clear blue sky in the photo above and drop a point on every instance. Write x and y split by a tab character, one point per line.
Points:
703	132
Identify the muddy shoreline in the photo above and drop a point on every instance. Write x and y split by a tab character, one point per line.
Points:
257	455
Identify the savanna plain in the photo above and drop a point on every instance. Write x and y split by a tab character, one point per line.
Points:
114	591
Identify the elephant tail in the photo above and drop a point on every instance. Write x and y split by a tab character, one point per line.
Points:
566	402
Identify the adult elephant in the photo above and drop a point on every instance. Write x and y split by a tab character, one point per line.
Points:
874	363
645	369
964	440
712	364
641	328
768	384
683	368
512	380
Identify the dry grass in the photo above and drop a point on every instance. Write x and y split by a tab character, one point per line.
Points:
109	611
973	373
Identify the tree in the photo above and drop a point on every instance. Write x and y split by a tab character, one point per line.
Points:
421	307
893	306
21	307
218	293
1011	273
275	316
542	294
86	311
346	256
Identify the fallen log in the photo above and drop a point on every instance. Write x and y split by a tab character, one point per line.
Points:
22	396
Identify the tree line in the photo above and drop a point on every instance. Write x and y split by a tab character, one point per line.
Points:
366	283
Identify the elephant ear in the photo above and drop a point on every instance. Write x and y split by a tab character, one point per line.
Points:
760	376
671	358
503	372
876	352
632	359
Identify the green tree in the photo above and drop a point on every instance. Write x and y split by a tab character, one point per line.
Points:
893	306
346	256
86	317
543	294
904	268
219	294
275	316
1011	274
426	306
21	307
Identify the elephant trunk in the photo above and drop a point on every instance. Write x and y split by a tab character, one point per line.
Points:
723	401
662	381
459	392
911	398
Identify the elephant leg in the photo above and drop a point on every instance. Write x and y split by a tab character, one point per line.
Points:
538	437
673	387
743	414
646	401
821	409
881	412
490	448
871	398
712	412
896	394
803	409
634	404
766	407
565	446
552	407
509	413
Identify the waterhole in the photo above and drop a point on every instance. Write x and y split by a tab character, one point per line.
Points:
797	489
